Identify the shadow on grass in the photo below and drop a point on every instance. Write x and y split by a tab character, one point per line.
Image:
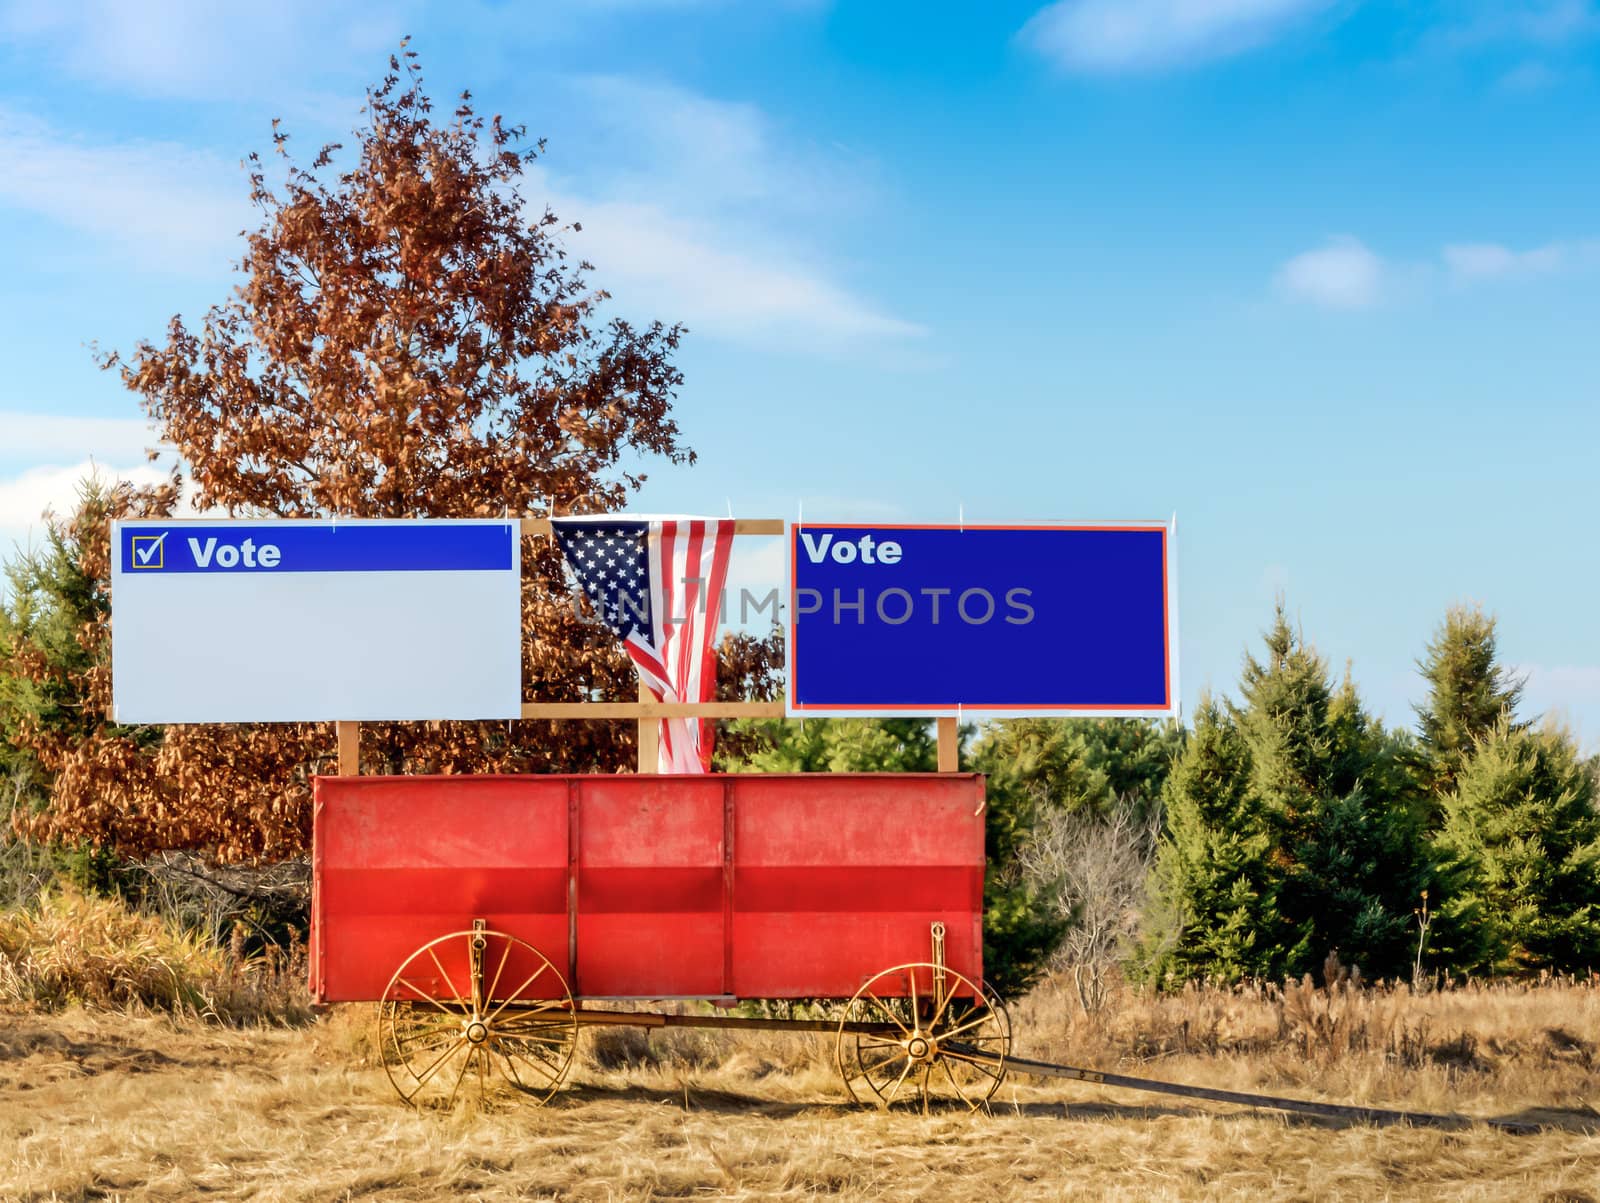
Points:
722	1101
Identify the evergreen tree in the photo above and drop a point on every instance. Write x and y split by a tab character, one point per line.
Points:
53	664
831	745
1340	808
1035	764
1215	899
1043	761
1468	694
1292	831
54	668
1078	763
1519	852
1136	756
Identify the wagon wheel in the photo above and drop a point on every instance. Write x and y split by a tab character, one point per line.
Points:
916	1033
478	1015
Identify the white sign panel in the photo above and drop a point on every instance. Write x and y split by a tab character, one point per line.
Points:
311	620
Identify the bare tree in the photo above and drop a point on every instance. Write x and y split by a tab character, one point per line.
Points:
1092	868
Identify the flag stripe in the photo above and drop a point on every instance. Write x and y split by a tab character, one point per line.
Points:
658	586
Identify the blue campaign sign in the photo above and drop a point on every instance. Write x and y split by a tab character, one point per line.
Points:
937	619
275	547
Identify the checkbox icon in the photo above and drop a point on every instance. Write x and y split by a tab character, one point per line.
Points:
147	550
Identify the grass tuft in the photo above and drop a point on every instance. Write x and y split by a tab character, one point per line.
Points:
67	948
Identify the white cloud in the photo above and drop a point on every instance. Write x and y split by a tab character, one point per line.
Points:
204	49
693	206
1492	261
1492	24
47	457
1345	274
699	209
1142	35
221	50
159	204
710	250
683	269
1342	274
25	498
657	142
53	437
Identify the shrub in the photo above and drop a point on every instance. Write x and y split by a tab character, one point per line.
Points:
69	947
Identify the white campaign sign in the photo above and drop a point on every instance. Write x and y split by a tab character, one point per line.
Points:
311	620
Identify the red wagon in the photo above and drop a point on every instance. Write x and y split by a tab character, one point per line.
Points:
494	916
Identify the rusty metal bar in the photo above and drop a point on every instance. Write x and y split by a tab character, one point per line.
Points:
727	886
741	526
651	710
1368	1115
743	1023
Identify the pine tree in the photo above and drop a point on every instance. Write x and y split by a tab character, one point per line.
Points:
1519	853
49	601
833	745
55	661
1339	806
1293	831
55	672
1043	761
1468	694
1216	880
1135	755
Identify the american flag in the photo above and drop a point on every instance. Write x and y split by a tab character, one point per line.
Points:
658	585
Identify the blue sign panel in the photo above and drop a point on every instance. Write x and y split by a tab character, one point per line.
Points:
932	619
278	547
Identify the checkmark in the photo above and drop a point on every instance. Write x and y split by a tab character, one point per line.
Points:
147	551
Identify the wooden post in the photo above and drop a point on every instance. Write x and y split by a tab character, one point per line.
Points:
649	737
949	745
349	735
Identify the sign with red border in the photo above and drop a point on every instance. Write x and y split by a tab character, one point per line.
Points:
940	619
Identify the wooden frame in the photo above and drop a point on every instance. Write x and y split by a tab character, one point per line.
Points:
647	712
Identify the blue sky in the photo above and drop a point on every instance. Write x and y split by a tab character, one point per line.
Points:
1321	277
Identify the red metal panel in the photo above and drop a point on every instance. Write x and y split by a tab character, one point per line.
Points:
403	860
829	879
650	887
839	876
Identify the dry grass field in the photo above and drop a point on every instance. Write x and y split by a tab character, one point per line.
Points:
113	1105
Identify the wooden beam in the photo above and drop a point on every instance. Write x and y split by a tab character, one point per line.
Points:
349	736
650	709
949	745
649	737
741	526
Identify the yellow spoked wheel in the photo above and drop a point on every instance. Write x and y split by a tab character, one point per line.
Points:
476	1016
918	1034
